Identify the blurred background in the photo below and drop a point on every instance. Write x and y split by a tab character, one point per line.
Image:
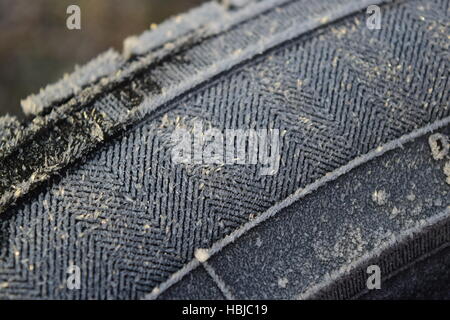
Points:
36	48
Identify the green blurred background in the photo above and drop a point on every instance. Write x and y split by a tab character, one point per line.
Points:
36	48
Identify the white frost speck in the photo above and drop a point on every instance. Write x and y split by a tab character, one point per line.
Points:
411	197
380	197
202	255
395	211
156	291
282	282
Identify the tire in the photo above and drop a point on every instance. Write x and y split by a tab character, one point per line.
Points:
352	121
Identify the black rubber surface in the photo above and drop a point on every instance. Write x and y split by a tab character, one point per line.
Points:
89	180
